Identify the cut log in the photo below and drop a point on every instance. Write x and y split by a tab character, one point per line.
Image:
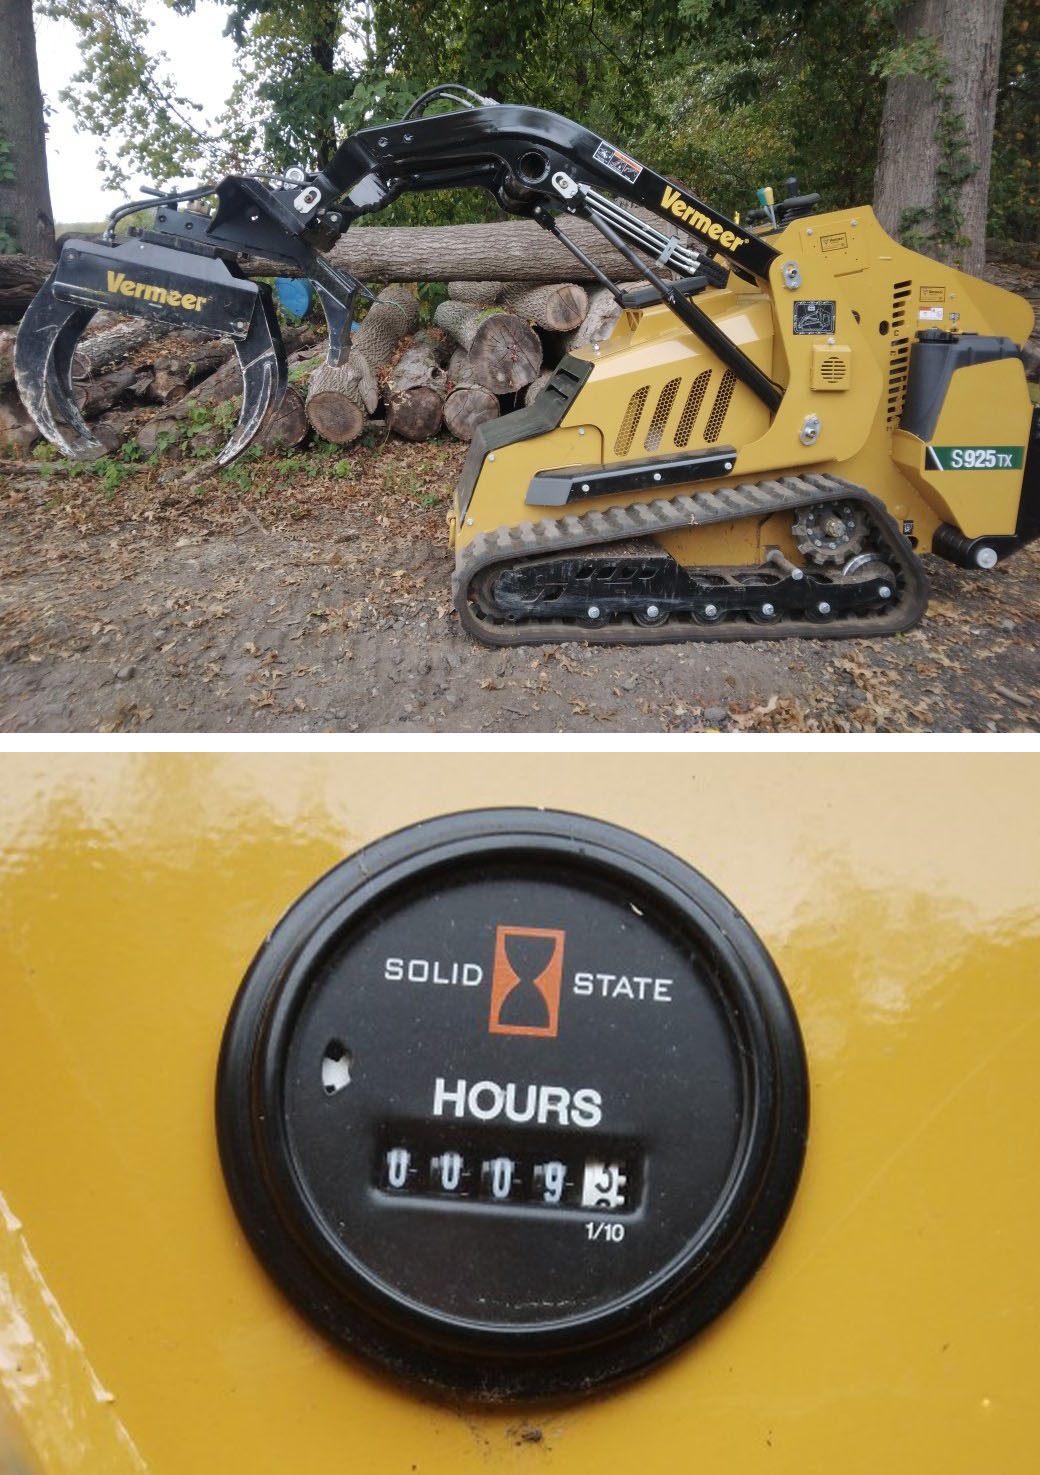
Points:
393	316
21	277
94	396
339	401
482	294
467	407
504	352
172	376
559	307
598	323
106	349
416	387
17	431
468	404
7	337
288	425
536	386
514	250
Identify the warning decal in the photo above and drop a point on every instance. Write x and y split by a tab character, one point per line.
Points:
620	163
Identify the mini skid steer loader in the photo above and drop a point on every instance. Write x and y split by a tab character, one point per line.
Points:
756	451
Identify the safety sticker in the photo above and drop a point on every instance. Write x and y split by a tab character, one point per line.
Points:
930	314
974	458
811	316
620	163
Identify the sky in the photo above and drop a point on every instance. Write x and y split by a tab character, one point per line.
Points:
201	59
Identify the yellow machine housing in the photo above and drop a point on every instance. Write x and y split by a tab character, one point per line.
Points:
655	390
894	1325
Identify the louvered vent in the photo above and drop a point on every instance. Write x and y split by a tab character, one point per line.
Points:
632	417
663	408
692	408
832	370
899	353
713	429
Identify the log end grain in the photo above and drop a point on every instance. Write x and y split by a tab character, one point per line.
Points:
467	407
416	414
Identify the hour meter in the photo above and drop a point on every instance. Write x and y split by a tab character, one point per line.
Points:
512	1102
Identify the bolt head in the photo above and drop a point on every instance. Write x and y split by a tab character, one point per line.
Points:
885	592
652	611
768	609
584	486
657	476
986	557
594	611
492	456
823	607
797	573
711	610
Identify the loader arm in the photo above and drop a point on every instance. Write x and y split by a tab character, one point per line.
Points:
185	270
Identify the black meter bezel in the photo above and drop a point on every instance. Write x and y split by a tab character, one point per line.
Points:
571	1355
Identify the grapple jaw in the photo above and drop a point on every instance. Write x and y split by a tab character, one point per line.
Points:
178	287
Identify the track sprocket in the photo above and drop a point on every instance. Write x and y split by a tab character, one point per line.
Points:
830	532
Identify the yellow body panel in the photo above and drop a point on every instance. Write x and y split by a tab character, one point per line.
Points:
883	294
894	1326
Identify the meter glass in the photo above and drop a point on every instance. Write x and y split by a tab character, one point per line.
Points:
512	1101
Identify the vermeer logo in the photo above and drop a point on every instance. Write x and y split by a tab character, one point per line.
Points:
525	984
120	285
696	219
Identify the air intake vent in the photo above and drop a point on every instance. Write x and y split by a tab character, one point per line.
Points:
899	353
665	401
629	424
692	408
713	429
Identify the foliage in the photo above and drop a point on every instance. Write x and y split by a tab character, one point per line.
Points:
1014	191
723	94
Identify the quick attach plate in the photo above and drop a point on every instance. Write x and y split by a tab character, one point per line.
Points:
512	1102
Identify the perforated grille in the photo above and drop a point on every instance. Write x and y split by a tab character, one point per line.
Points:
713	429
663	408
899	353
631	421
832	371
692	408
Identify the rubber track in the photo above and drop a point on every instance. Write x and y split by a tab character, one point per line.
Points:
645	519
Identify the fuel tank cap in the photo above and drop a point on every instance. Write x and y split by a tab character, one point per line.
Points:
512	1102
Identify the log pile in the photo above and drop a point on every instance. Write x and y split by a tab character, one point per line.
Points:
491	348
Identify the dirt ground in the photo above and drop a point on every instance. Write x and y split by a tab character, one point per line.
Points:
311	594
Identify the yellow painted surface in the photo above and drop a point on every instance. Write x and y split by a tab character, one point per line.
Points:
895	1325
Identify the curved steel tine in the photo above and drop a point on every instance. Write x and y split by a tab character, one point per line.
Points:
43	357
261	356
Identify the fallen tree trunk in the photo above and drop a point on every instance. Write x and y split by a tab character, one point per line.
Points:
515	250
393	316
504	353
416	387
107	349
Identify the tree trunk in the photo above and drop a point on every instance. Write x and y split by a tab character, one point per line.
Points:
516	250
25	199
416	388
932	179
504	353
21	277
481	294
17	431
110	347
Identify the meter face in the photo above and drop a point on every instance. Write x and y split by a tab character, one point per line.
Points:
512	1102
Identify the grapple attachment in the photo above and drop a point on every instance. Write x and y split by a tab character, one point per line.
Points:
179	287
